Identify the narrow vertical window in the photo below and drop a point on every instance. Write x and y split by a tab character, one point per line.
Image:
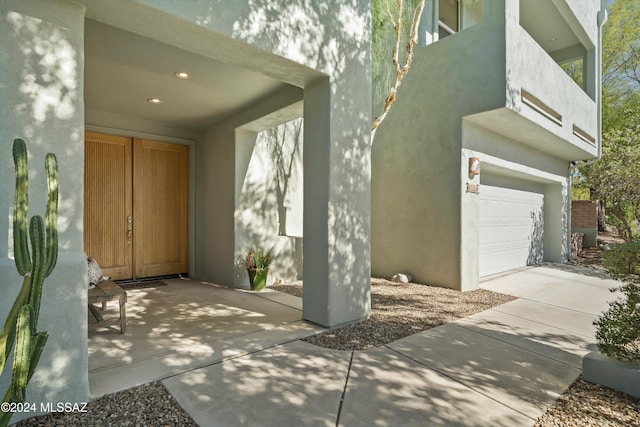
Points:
457	15
448	17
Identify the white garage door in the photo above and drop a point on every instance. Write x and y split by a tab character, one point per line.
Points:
511	229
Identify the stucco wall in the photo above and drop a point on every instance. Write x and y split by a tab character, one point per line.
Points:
325	49
221	161
523	55
585	13
416	179
423	220
269	198
41	93
322	48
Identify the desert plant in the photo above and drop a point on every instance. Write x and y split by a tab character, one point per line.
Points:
618	328
256	259
20	327
257	263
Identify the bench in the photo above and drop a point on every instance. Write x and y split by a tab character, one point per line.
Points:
108	291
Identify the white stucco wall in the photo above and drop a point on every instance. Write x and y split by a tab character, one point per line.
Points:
41	93
526	61
222	160
269	198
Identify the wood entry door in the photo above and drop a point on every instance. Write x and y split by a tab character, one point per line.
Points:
135	212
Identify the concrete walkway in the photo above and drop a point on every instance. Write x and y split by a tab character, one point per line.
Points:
501	367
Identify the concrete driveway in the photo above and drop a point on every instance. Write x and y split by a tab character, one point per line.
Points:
501	367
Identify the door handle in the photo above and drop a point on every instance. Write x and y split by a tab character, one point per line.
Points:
129	229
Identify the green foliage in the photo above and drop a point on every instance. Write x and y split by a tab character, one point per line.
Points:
622	262
621	65
384	15
35	265
256	259
574	70
579	191
618	328
616	177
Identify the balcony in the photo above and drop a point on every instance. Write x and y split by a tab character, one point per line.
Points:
544	107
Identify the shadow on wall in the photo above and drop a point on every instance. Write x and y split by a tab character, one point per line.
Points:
536	238
269	208
42	105
334	38
47	86
285	144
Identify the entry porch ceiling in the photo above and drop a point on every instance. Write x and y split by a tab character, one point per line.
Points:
123	70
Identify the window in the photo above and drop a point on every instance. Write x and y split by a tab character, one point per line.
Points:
448	17
457	15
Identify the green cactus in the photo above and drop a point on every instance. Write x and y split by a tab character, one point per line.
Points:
35	265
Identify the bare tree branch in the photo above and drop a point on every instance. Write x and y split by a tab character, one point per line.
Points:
401	71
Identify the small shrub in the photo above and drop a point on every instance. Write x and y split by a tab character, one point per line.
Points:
618	328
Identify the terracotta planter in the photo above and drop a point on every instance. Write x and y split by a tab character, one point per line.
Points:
258	278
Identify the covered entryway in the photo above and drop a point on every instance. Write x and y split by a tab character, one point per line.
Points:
511	225
136	206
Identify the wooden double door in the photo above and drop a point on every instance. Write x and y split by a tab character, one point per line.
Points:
136	206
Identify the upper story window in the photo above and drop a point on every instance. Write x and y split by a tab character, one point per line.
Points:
457	15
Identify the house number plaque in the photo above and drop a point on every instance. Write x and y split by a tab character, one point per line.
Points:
473	188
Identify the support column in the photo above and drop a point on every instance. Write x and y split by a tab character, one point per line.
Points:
337	204
41	101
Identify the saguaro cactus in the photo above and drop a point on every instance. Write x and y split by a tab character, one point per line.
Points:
34	265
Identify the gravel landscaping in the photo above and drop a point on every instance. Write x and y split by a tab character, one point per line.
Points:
149	405
402	309
591	405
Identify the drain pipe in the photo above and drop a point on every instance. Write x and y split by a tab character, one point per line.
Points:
603	15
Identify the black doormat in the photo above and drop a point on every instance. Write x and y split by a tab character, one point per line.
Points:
142	284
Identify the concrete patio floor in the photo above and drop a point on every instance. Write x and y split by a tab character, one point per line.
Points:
185	325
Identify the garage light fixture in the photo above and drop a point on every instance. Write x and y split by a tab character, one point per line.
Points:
474	166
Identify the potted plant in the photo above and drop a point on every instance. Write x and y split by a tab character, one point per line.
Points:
257	263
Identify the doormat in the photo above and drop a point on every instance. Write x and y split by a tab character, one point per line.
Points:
142	285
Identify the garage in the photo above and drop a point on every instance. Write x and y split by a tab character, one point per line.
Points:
511	226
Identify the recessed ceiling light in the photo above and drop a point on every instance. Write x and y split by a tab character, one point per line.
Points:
154	100
552	39
183	75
